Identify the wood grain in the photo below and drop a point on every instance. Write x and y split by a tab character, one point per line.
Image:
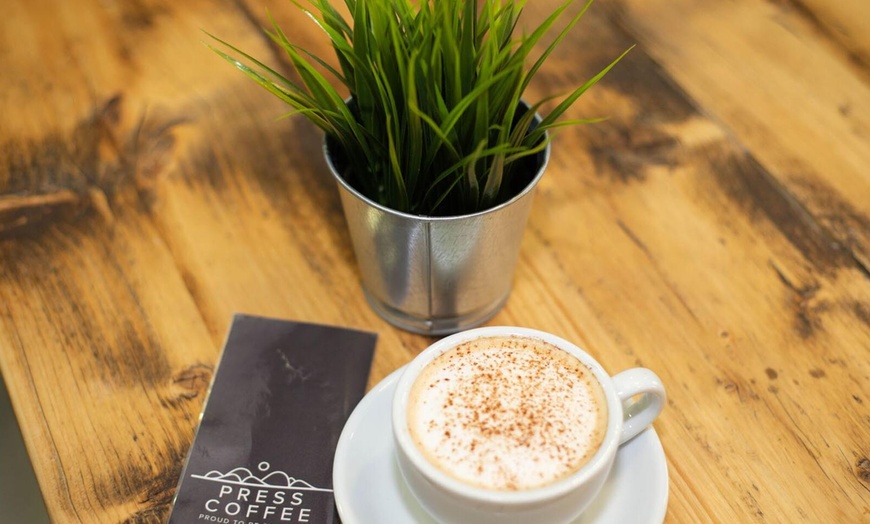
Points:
714	229
785	89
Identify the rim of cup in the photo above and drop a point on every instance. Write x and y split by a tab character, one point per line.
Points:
602	458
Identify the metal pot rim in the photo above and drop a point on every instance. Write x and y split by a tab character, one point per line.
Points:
542	167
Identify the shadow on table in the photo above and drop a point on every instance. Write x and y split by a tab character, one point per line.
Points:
20	498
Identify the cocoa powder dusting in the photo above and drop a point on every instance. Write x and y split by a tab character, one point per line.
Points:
517	414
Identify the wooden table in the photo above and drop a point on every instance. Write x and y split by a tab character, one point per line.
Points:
715	229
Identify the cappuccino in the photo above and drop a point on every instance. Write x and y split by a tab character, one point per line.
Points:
507	413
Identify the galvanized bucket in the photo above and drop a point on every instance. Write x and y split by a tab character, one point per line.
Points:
435	275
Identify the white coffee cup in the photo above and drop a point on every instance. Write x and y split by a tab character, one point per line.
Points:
634	398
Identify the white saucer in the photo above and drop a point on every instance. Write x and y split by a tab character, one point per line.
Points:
369	488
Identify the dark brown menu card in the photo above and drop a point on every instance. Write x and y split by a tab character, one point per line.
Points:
264	448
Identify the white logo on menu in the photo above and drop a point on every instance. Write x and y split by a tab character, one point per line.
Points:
244	477
245	498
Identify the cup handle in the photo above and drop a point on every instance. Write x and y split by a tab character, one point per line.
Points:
639	413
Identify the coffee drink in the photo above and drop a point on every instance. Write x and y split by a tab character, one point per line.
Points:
507	413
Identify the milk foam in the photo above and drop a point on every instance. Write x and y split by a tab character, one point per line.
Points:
507	413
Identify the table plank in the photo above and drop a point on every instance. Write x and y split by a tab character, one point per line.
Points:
846	22
103	365
104	349
253	220
791	94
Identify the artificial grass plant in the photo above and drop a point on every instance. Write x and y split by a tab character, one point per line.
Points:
435	126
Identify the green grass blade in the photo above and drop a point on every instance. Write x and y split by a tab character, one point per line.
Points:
548	121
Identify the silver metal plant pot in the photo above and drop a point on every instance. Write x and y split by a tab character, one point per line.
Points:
435	275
